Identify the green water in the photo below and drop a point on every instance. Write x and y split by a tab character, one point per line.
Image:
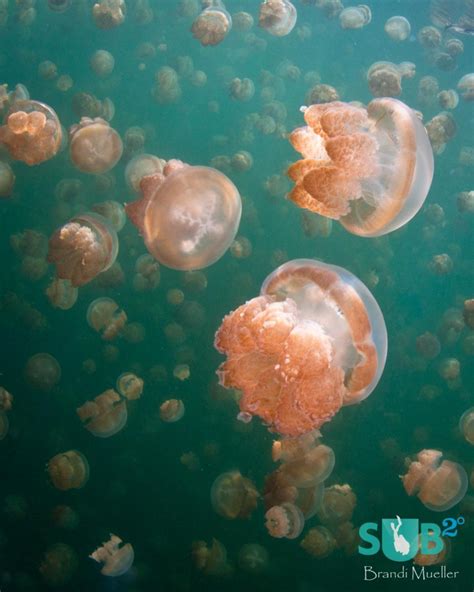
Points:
139	488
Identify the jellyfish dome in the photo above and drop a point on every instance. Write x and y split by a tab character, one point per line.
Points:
466	425
277	17
313	341
116	557
212	24
370	168
285	521
189	215
105	415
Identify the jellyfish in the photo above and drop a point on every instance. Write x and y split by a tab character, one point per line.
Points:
64	517
429	37
116	557
242	21
466	425
319	542
113	211
47	70
59	5
142	166
43	372
241	161
468	312
64	83
102	63
441	264
84	247
105	415
337	505
438	484
62	294
448	99
253	558
108	14
211	560
147	276
189	215
278	17
355	17
7	179
371	169
241	89
94	147
428	345
233	496
31	132
4	424
465	202
313	341
171	410
441	129
432	558
167	88
385	79
241	248
68	470
6	399
285	521
130	386
398	28
466	87
59	564
212	24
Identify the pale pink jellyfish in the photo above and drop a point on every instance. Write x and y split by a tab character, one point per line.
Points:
43	371
62	294
105	317
398	28
285	521
253	558
438	484
278	17
94	146
466	425
84	247
105	415
213	24
68	470
130	386
313	341
188	216
116	557
371	169
142	165
171	410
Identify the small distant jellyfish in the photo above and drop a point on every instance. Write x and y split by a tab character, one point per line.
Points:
182	372
31	132
7	179
102	63
344	173
59	5
438	484
241	89
319	542
113	211
242	21
211	560
449	369
94	146
466	425
43	372
468	312
355	17
241	248
441	264
6	399
117	558
105	316
171	410
233	496
253	558
448	99
188	215
4	425
213	24
84	247
147	276
105	416
241	161
285	521
277	17
47	70
398	28
167	88
59	564
430	37
108	14
142	166
384	79
62	294
130	386
454	46
428	345
466	87
337	505
68	470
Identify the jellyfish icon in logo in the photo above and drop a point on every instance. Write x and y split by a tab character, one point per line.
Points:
400	538
399	541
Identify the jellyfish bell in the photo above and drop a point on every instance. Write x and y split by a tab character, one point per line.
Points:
466	425
105	317
355	17
213	24
285	521
94	146
7	179
466	87
233	496
116	557
140	166
43	371
113	211
253	558
105	416
59	5
68	470
130	386
189	215
277	17
171	410
398	28
371	169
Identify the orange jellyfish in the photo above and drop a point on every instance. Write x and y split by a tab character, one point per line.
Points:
130	386
285	521
213	24
438	484
171	410
68	470
105	415
277	17
253	558
313	341
61	294
31	132
337	505
43	371
94	147
117	558
105	317
84	247
211	560
466	425
233	496
371	169
319	542
188	216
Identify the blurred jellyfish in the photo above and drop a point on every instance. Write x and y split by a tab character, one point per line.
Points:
30	242
213	24
7	179
344	174
441	129
466	425
166	89
242	21
448	99
142	166
337	505
117	558
189	215
94	147
465	201
47	70
291	373
355	17
466	87
253	558
113	211
319	542
429	37
62	294
64	517
147	276
398	28
4	424
241	161
130	386
241	89
31	132
105	317
84	247
43	372
277	17
6	399
322	93
468	312
108	14
438	484
59	5
449	369
211	560
285	521
59	564
171	410
428	345
441	264
315	225
241	248
233	496
432	558
105	415
68	470
102	63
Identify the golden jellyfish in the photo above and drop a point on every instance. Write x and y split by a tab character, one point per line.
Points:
142	165
319	542
47	70
241	89
277	17
355	17
130	386
466	87
430	37
7	179
64	83
441	129
63	516
83	248
313	341
337	505
253	558
166	88
428	345
105	416
94	146
384	79
398	28
322	93
171	410
68	470
134	332
233	496
370	168
108	14
59	5
62	294
102	63
438	484
182	372
211	560
113	211
468	312
59	564
31	132
175	297
147	274
241	248
43	372
116	557
449	369
441	264
6	399
454	46
448	99
285	521
466	425
188	215
105	317
213	24
241	161
315	225
4	424
432	559
465	202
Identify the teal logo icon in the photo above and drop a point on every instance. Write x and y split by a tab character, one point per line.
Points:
400	538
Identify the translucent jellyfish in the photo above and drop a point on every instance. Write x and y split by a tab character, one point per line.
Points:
242	21
105	415
441	264
466	87
337	505
278	17
313	341
371	169
113	211
385	79
241	161
6	399
62	294
241	248
43	372
434	558
322	93
465	202
130	386
171	410
142	165
117	558
167	88
241	89
315	225
438	484
441	129
430	37
59	564
428	345
7	179
47	70
65	517
466	425
4	424
211	560
253	558
102	63
468	312
59	5
319	542
105	317
68	470
108	14
147	276
212	25
94	146
31	132
188	216
285	521
84	247
448	99
398	28
233	496
454	46
355	17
